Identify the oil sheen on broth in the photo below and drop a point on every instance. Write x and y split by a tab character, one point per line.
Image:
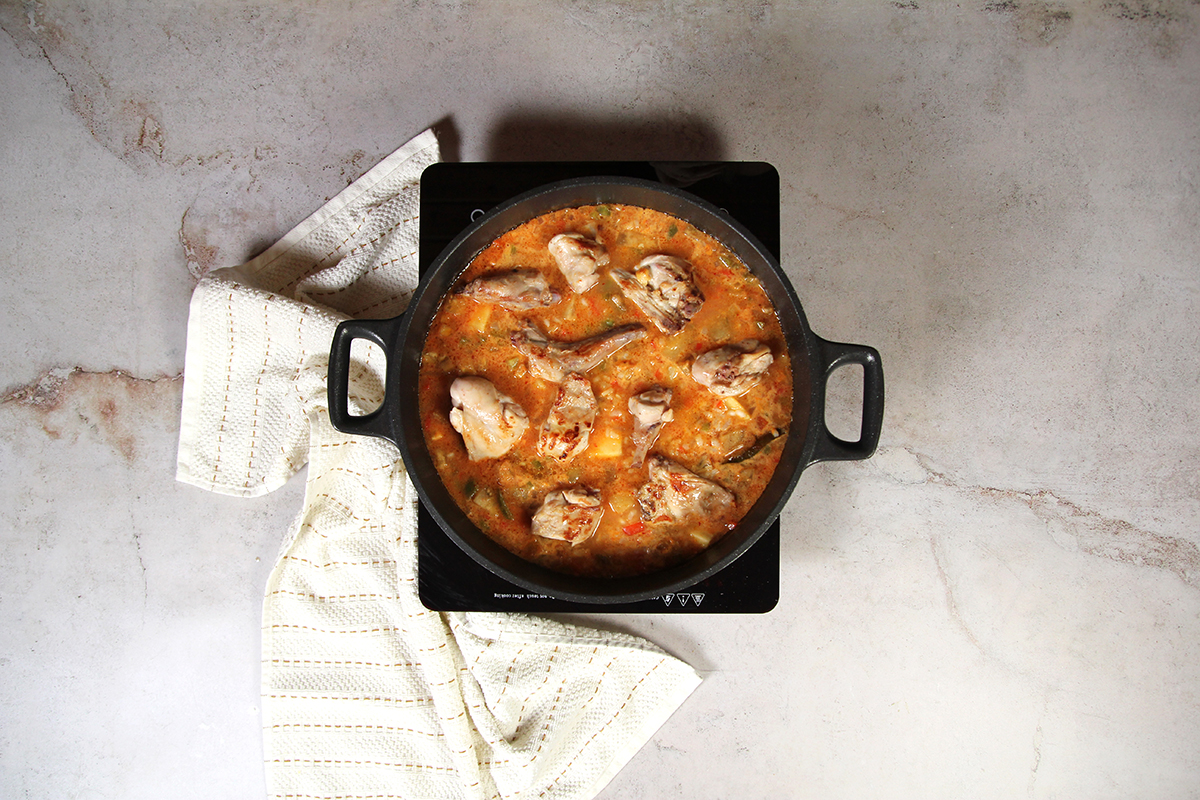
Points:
540	351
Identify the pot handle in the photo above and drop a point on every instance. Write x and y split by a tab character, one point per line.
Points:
379	422
833	356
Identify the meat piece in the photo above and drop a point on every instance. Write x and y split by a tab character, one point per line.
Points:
673	493
578	257
490	422
650	410
733	369
571	515
553	360
662	287
569	424
517	290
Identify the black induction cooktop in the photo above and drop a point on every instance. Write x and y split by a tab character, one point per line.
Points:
455	194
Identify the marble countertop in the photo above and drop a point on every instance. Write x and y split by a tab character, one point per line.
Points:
1002	197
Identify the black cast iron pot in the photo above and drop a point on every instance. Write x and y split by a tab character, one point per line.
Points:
402	339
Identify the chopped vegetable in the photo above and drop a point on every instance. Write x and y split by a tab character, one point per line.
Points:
480	315
622	504
486	499
605	443
722	329
735	408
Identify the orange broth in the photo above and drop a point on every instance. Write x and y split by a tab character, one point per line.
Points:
501	495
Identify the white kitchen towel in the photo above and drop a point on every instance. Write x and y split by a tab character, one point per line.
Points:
366	694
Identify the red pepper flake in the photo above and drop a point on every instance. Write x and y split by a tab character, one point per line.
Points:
634	528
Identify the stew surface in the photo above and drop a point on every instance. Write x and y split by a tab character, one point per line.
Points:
734	442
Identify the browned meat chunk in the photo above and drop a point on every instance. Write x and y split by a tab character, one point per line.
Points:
578	257
518	290
663	288
490	422
650	410
553	360
571	515
733	369
569	424
673	493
